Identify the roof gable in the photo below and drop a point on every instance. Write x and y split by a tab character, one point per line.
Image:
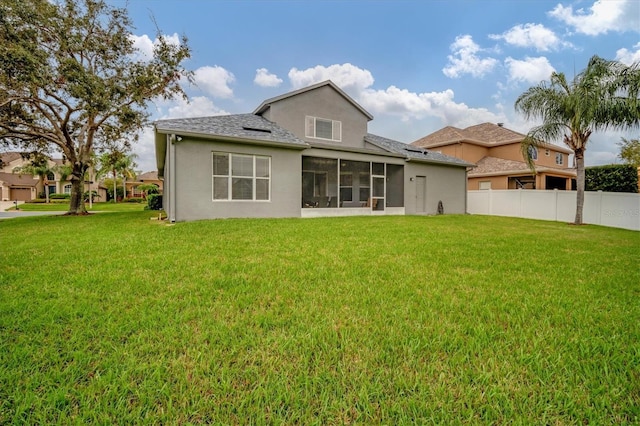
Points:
267	103
484	134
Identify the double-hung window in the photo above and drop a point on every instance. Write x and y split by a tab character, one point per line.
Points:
322	128
559	158
241	177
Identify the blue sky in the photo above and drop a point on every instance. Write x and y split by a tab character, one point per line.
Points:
416	66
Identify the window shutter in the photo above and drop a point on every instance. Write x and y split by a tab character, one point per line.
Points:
310	127
337	130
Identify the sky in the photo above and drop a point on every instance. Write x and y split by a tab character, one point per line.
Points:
416	66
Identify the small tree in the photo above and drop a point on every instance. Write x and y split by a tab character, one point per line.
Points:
70	77
630	151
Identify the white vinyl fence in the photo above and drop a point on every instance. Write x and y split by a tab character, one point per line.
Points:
616	209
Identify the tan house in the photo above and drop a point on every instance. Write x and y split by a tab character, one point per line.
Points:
498	157
142	179
25	187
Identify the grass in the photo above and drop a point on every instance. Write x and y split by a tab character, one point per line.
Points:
366	320
97	207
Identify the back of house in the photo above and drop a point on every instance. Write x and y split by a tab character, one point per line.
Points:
306	153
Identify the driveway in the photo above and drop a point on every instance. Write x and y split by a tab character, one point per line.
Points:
13	213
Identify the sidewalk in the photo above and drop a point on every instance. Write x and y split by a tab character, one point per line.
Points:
4	205
20	213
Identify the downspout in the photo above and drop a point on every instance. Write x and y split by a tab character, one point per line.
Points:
172	180
466	190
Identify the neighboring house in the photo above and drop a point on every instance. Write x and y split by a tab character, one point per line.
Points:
498	157
148	178
24	187
302	154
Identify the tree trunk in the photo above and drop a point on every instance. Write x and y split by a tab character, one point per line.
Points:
579	185
115	187
76	204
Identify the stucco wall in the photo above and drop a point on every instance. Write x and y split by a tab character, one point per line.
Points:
193	182
443	183
323	102
465	151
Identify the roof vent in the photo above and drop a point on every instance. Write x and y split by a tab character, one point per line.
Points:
416	150
256	129
500	124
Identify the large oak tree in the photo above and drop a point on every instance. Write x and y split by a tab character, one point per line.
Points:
603	96
71	79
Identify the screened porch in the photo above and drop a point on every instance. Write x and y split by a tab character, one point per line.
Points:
351	187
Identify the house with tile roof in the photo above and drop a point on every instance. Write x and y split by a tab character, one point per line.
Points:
306	153
25	187
496	152
147	178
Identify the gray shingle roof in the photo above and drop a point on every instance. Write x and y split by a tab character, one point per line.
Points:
237	126
414	152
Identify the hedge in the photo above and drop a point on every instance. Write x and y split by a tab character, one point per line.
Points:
612	178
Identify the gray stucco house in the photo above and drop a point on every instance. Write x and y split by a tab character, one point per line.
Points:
306	153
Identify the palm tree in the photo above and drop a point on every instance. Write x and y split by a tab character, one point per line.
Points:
117	162
126	167
38	165
603	96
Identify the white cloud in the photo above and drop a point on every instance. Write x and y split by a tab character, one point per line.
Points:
530	70
628	57
465	59
410	105
197	106
265	79
214	81
393	101
348	77
603	16
144	45
531	35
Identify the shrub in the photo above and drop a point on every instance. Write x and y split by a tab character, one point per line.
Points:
60	196
94	195
37	201
612	178
154	202
134	200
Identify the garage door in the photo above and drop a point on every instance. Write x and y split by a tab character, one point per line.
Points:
21	194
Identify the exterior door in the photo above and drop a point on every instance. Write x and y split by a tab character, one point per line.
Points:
378	193
421	194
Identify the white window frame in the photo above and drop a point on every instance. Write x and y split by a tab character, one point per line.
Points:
67	188
533	153
559	158
230	176
311	128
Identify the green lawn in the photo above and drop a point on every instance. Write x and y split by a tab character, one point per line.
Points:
119	319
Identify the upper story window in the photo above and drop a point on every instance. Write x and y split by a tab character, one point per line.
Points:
322	128
533	153
559	158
